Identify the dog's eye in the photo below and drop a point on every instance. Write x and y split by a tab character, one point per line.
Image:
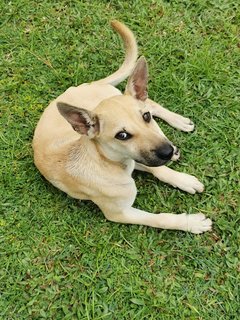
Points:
123	135
147	116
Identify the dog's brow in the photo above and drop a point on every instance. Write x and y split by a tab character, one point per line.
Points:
125	130
143	110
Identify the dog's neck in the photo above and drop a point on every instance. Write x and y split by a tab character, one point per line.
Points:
111	156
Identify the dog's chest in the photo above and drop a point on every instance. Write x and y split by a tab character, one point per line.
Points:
90	172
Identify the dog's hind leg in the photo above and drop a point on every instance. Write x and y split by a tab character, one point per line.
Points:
195	223
175	120
183	181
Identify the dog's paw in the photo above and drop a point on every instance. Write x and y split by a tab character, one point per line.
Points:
176	154
197	223
181	123
188	183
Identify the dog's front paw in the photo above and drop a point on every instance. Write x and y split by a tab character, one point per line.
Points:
181	123
197	223
188	183
176	154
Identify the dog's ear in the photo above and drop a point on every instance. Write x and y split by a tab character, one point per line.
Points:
137	83
82	120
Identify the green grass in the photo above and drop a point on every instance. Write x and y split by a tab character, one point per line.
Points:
60	258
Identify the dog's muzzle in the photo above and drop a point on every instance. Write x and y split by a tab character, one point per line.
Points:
159	156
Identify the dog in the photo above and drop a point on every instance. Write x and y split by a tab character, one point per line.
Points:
89	140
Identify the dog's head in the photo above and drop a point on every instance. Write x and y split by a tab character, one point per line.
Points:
122	126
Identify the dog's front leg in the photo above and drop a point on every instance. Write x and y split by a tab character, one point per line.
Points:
195	223
175	120
183	181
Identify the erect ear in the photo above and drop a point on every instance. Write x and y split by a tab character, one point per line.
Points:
137	83
82	120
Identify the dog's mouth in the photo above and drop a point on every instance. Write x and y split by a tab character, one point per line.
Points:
156	158
152	162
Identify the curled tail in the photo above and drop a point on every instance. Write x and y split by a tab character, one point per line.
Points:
131	53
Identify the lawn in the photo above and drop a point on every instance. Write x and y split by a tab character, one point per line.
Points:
59	257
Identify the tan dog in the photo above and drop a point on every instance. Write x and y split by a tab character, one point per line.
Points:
90	139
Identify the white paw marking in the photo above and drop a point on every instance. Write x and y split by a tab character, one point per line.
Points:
181	123
188	183
197	223
176	154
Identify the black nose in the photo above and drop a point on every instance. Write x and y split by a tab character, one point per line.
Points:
165	152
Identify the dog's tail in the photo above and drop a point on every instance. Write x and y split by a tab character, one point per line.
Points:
131	54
